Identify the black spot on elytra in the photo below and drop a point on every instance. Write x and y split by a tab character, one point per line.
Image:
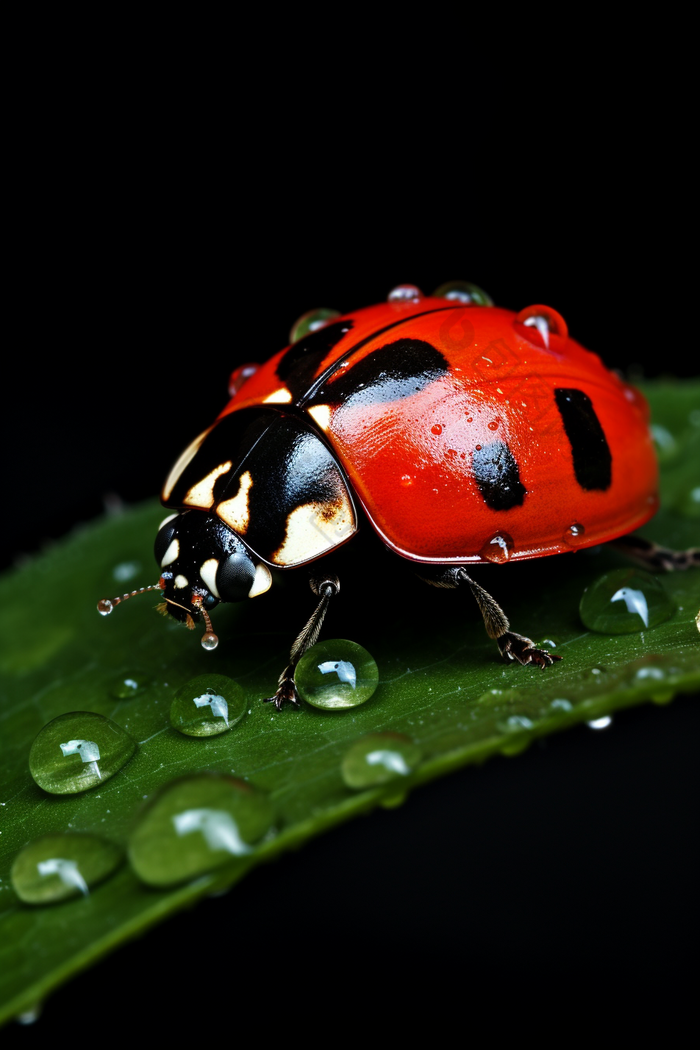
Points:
389	373
496	473
589	446
298	366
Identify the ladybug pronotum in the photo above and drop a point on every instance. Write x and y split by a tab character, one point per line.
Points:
458	431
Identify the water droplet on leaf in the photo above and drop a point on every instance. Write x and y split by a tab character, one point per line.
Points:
129	685
195	825
336	674
78	751
600	723
624	601
378	759
57	867
207	705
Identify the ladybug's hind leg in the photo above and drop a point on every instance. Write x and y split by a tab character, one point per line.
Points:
652	556
513	646
326	587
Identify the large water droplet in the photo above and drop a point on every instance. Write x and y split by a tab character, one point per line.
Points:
310	322
405	293
78	751
624	601
463	292
498	549
127	686
207	705
378	759
195	825
57	867
336	674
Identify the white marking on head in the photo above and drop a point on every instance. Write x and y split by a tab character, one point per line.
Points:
235	512
180	582
321	414
172	553
278	397
201	495
182	462
262	581
313	529
169	518
208	574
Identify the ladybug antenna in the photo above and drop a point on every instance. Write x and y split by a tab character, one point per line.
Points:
209	639
105	605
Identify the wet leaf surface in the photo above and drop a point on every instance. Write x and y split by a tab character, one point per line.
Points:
444	699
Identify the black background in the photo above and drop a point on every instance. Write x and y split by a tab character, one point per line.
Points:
149	266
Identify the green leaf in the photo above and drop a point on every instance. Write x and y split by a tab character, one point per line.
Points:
442	687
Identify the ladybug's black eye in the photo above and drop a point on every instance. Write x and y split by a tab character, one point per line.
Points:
310	322
165	537
463	292
235	575
210	601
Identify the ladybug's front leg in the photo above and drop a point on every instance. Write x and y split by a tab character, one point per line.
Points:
325	587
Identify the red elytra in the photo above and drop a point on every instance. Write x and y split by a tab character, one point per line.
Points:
410	461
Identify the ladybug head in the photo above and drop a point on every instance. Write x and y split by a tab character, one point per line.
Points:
202	563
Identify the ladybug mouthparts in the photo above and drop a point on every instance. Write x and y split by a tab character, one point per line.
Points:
202	563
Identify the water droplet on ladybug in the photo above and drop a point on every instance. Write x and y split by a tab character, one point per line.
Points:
436	429
378	759
498	549
336	674
104	607
493	425
195	825
575	535
625	601
78	751
207	705
405	293
470	419
406	480
209	640
478	448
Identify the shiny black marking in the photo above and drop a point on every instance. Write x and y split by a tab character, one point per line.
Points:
231	439
389	373
497	475
321	381
296	369
290	468
589	446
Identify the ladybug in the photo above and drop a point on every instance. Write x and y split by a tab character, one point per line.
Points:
462	433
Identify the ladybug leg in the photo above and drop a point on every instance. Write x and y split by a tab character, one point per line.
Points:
652	556
326	587
513	646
